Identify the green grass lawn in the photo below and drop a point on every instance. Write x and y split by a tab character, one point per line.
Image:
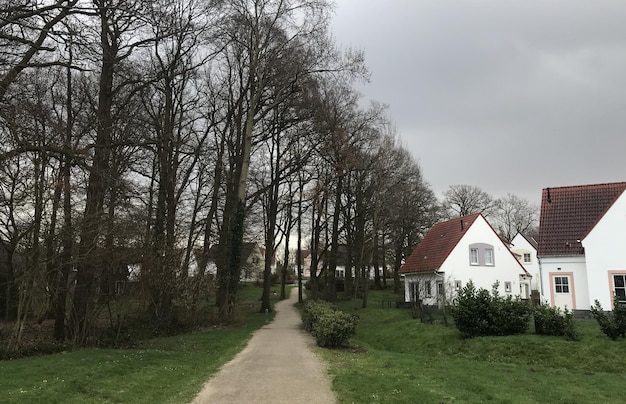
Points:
164	370
395	359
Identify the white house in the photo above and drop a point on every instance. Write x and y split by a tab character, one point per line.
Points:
454	252
524	248
582	241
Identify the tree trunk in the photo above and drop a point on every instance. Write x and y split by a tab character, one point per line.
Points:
331	287
96	188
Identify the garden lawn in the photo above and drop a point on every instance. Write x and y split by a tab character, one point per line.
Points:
164	370
395	359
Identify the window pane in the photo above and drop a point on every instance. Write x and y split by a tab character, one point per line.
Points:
565	289
473	256
621	293
558	289
488	256
619	281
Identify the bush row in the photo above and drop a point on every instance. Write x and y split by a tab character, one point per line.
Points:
480	313
330	327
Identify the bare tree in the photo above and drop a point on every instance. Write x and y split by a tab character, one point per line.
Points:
25	25
463	200
261	38
514	215
412	209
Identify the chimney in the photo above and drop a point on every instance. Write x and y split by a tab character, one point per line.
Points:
549	198
461	224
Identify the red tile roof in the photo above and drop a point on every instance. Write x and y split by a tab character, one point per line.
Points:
569	213
437	245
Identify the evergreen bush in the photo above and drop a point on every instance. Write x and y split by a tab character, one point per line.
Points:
311	311
613	324
551	321
333	329
330	327
480	313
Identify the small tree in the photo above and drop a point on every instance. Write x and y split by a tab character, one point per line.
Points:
612	324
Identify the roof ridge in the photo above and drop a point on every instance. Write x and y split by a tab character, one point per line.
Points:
619	183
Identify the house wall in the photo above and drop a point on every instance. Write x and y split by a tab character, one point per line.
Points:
605	252
457	268
574	267
522	246
415	287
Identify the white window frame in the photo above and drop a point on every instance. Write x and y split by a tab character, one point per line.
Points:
429	289
473	256
489	259
527	261
507	287
458	285
563	286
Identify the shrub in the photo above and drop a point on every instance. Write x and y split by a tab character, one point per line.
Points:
333	329
551	321
480	313
312	310
613	325
330	327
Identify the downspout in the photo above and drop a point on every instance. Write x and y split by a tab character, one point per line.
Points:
540	277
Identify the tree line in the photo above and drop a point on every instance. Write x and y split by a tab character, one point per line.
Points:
168	133
164	133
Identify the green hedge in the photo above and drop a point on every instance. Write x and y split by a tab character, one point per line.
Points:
551	321
330	327
480	313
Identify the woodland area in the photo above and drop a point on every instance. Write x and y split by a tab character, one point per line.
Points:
154	132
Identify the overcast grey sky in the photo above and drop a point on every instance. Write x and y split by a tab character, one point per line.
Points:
510	96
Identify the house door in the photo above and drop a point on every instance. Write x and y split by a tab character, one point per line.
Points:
562	291
524	290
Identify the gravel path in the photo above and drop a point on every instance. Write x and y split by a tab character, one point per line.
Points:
277	366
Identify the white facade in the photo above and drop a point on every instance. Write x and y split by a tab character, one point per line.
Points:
526	253
483	269
564	282
605	252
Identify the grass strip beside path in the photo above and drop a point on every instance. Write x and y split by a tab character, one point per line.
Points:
163	370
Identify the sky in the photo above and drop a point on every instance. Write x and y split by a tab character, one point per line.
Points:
509	96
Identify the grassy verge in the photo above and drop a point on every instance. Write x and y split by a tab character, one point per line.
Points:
164	370
395	359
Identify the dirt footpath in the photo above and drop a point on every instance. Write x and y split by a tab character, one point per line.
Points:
277	366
